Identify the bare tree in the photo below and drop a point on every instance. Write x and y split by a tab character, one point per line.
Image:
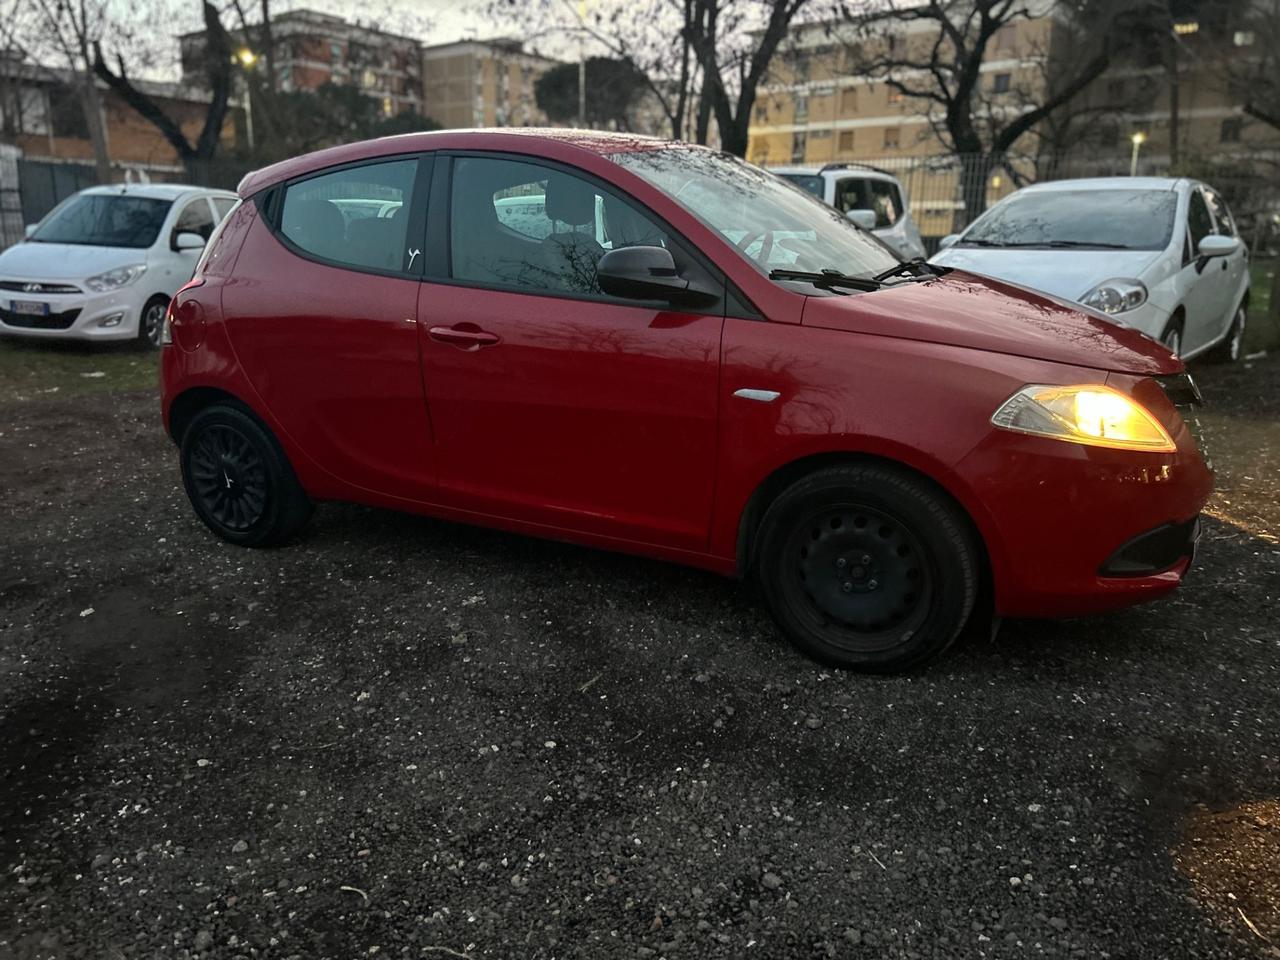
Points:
941	68
1253	72
218	70
39	31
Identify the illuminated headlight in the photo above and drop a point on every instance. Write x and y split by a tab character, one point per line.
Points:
114	279
1090	414
1116	296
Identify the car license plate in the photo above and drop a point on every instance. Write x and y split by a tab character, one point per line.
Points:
32	308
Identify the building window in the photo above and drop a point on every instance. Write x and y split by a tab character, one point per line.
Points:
891	138
762	113
335	52
849	100
1230	131
895	95
797	146
820	134
1000	83
1243	38
802	109
846	141
1006	38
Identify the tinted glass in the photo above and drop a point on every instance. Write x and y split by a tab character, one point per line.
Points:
1223	222
862	193
772	223
1132	219
105	221
195	217
524	225
807	182
1198	219
357	217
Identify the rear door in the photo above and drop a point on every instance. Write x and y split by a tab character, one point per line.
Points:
553	403
322	314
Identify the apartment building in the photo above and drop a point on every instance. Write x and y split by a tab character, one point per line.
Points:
482	83
311	49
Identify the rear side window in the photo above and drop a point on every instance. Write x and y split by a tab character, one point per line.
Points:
356	217
222	206
863	193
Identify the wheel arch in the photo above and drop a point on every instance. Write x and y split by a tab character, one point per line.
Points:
788	473
185	406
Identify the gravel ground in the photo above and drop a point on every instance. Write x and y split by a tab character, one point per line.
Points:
399	737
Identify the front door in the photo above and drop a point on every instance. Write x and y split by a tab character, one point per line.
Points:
1205	302
323	314
551	402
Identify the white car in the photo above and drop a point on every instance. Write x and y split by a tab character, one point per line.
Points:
104	263
1158	254
870	197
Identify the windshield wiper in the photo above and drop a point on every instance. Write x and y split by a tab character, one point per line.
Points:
917	266
1050	244
826	278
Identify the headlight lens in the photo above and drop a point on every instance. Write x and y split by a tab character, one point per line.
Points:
114	279
1088	413
1116	296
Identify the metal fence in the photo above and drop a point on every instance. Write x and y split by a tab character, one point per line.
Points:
11	221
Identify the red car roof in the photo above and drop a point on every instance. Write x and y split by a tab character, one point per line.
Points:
555	143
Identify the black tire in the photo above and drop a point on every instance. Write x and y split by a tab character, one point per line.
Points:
151	321
239	480
1171	337
867	567
1231	347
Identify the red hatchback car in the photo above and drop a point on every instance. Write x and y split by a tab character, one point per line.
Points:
653	347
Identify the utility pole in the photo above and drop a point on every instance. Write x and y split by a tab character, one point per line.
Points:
582	63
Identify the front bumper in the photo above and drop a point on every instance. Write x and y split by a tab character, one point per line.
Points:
1061	514
75	316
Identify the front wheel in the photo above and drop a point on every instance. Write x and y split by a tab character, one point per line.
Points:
1231	347
867	567
238	479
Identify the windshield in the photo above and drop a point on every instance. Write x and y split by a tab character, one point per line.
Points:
105	220
1108	219
771	222
808	182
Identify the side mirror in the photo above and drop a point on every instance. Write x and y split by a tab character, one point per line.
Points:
188	241
1216	245
29	229
647	273
866	219
948	241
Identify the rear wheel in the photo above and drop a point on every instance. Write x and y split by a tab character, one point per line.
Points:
1231	347
151	321
867	567
238	479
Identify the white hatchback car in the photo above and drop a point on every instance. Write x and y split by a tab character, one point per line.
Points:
1158	254
104	263
870	197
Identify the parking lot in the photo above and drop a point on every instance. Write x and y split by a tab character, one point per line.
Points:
400	737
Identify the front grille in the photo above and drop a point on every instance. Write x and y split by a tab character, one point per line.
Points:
28	286
55	321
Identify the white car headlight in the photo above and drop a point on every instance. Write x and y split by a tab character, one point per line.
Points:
114	279
1119	295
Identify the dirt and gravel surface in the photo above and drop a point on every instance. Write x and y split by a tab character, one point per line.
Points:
404	738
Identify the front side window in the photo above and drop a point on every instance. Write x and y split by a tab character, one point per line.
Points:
196	217
356	217
864	193
1198	219
1224	224
519	224
1101	219
771	223
105	220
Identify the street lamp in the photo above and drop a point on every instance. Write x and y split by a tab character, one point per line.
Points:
1138	139
247	58
582	64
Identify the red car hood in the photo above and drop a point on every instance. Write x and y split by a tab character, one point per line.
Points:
965	310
